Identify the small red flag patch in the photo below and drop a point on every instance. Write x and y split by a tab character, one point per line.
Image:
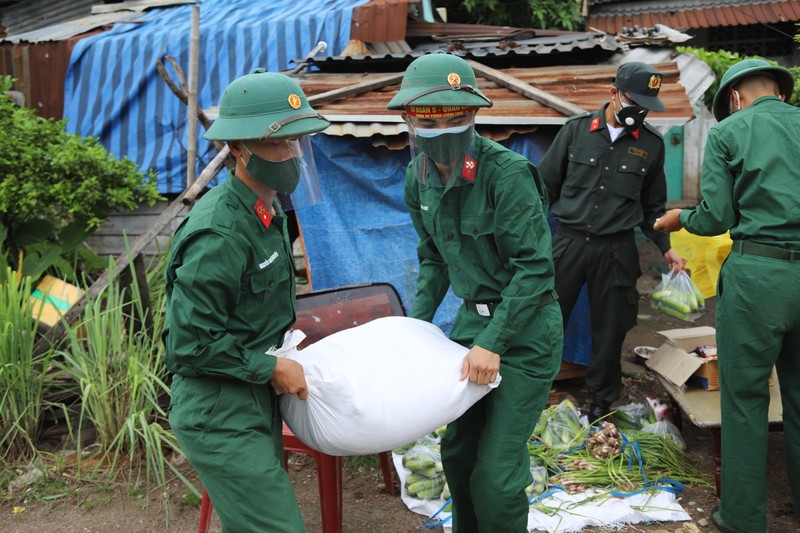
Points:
595	125
263	213
470	168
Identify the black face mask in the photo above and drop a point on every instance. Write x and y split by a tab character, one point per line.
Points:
631	116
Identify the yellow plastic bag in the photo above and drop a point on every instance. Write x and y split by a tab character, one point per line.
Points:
704	257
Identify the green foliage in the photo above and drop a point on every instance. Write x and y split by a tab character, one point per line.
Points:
541	14
56	188
24	375
118	370
721	60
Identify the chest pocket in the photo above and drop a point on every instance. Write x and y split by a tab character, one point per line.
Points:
266	290
628	179
477	238
582	169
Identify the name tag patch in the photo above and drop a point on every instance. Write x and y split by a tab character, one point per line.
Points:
638	152
268	261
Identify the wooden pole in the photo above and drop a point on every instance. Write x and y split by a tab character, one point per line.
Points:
525	89
194	51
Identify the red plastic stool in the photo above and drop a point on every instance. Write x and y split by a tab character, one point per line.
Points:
329	479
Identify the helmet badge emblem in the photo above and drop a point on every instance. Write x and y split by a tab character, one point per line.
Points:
453	79
655	82
294	101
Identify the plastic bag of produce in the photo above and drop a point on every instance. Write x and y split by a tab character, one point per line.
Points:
678	296
662	426
559	427
378	386
632	416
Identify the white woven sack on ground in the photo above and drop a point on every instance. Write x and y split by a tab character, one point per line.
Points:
378	386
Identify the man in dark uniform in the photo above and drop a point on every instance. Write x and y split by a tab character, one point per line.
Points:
231	297
480	212
750	186
605	175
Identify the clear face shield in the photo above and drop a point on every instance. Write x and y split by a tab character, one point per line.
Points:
286	166
440	138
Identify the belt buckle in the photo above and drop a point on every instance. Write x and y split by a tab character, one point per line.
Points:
482	309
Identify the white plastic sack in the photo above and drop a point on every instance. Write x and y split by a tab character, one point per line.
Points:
379	386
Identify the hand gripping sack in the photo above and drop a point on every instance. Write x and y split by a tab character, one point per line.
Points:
378	386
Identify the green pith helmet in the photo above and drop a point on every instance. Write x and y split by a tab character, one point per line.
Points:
439	79
743	69
264	105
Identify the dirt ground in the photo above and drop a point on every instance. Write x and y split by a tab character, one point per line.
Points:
367	508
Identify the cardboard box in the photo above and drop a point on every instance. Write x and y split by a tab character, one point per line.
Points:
673	360
52	298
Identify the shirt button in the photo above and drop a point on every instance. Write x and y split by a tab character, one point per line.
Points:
450	236
591	159
505	344
596	206
589	226
455	268
588	238
254	376
602	187
611	148
606	167
624	167
475	231
271	283
644	170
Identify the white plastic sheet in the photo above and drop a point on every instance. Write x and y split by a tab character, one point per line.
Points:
378	386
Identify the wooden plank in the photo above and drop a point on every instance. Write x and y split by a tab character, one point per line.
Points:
358	88
529	91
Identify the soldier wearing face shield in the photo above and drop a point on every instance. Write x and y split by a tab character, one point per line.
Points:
749	186
605	175
231	297
480	212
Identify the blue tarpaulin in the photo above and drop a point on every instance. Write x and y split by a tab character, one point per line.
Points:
113	91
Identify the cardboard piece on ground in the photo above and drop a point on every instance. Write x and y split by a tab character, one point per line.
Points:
673	360
52	298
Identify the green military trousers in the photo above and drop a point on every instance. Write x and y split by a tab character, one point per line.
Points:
758	326
485	452
231	433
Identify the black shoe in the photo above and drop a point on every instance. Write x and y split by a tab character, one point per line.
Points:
717	519
598	410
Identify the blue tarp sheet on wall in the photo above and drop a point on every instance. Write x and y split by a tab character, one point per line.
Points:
362	232
113	91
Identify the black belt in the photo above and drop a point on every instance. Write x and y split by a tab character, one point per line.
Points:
587	237
762	250
487	308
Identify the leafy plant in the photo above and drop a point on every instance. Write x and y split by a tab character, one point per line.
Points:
56	188
119	370
24	375
543	14
721	60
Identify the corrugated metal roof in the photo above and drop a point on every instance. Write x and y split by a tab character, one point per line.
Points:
65	30
533	50
692	14
34	14
587	86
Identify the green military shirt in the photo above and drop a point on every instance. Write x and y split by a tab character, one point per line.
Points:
230	287
488	239
602	188
750	187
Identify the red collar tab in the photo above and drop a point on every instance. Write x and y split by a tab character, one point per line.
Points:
263	213
635	133
595	125
470	168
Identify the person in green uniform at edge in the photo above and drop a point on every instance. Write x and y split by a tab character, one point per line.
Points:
749	186
231	297
605	175
480	212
